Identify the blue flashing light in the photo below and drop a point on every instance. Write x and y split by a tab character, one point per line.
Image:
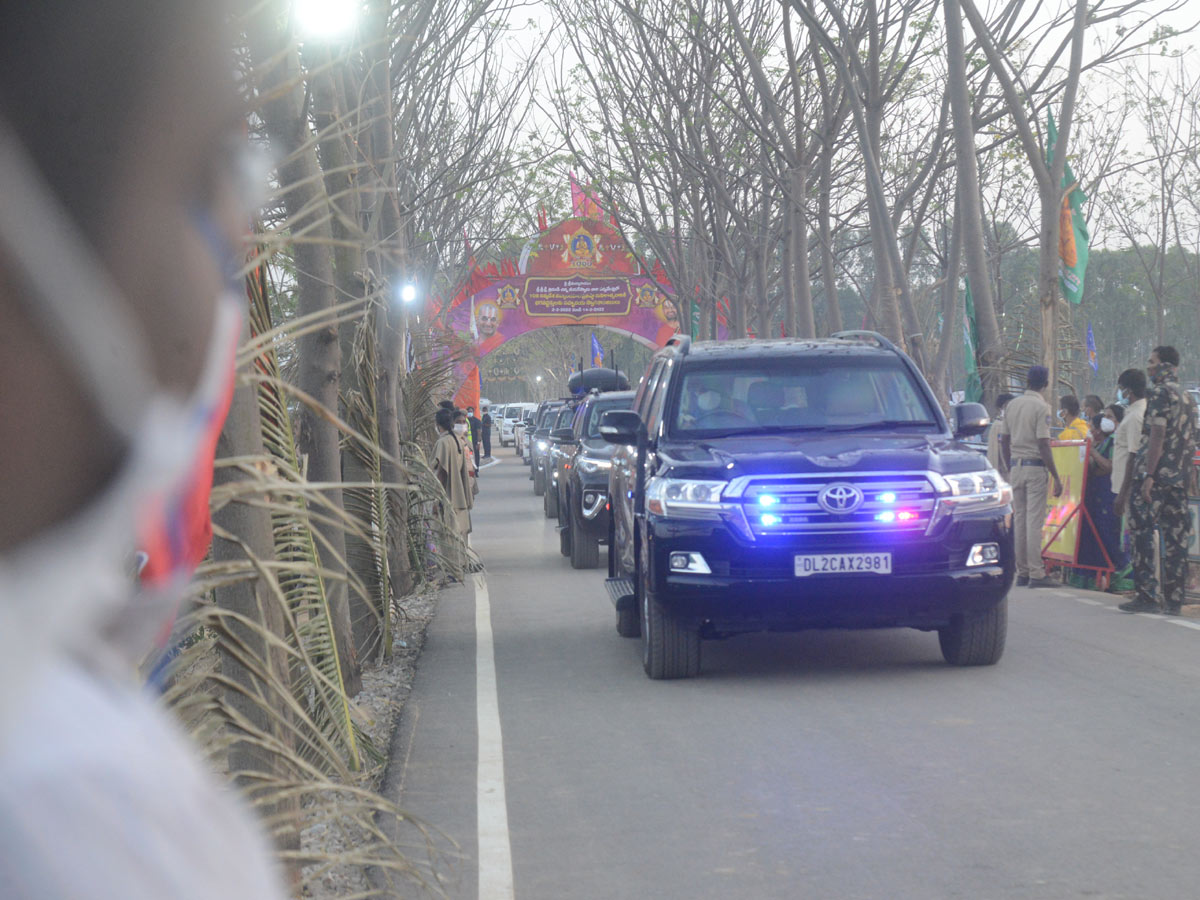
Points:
886	497
886	516
769	519
767	500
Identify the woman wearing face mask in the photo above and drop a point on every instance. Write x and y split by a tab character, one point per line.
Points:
452	467
1098	501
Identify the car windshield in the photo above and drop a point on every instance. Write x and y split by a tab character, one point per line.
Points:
547	417
512	412
592	430
794	394
565	415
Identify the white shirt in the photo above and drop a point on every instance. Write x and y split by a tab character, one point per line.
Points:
1126	440
101	796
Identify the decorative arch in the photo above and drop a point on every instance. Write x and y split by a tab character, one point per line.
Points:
577	272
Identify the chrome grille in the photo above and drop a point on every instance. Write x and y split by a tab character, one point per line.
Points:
792	501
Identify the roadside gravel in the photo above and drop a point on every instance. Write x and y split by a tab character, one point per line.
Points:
385	689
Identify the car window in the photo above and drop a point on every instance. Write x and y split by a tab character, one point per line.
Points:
656	401
565	414
641	402
596	411
801	394
581	412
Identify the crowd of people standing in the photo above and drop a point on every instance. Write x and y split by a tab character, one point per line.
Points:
1139	462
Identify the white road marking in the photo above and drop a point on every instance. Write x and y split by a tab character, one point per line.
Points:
1184	623
1091	602
495	846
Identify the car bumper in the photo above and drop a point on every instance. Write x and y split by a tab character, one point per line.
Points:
593	509
754	586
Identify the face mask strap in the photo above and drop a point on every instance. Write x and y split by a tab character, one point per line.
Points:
77	306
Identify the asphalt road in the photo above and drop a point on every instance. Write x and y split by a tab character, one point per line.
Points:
818	765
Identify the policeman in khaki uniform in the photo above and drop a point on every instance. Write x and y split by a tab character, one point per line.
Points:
1025	449
1158	494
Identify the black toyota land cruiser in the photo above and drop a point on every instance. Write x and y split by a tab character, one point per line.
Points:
583	480
783	485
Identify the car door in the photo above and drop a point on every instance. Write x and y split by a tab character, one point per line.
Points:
622	478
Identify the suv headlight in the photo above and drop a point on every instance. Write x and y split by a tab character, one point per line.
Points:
684	497
971	491
542	445
589	466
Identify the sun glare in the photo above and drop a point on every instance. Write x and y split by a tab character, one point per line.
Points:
326	19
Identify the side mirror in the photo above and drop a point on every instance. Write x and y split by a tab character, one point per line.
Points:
620	426
563	435
970	419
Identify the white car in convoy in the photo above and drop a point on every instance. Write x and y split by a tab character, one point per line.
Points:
508	419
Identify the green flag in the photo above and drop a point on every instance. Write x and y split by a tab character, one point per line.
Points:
1072	229
695	319
973	392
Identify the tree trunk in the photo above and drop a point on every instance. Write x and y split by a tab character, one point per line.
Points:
805	324
788	274
277	70
969	208
337	162
951	314
391	325
833	307
260	703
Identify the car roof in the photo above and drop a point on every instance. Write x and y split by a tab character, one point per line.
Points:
613	395
752	348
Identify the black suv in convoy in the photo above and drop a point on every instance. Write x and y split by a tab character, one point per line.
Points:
555	453
782	485
540	441
584	460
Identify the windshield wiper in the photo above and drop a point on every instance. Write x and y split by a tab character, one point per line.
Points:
765	430
881	423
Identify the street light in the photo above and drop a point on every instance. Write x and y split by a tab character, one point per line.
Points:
326	19
408	293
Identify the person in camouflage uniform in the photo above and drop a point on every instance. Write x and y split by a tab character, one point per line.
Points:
1158	496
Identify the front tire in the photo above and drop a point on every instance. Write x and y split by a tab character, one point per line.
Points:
539	482
976	639
585	550
629	623
670	649
550	500
564	541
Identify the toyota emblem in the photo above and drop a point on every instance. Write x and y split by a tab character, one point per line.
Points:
840	498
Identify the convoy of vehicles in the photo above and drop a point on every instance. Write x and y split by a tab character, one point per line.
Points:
780	485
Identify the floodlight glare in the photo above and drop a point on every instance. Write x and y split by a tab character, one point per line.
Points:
408	293
326	19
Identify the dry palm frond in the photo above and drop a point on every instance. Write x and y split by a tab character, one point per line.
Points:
373	506
301	778
304	583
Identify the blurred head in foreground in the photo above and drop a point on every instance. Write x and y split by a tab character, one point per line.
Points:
118	330
118	130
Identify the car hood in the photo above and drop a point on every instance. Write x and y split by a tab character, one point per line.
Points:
731	457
